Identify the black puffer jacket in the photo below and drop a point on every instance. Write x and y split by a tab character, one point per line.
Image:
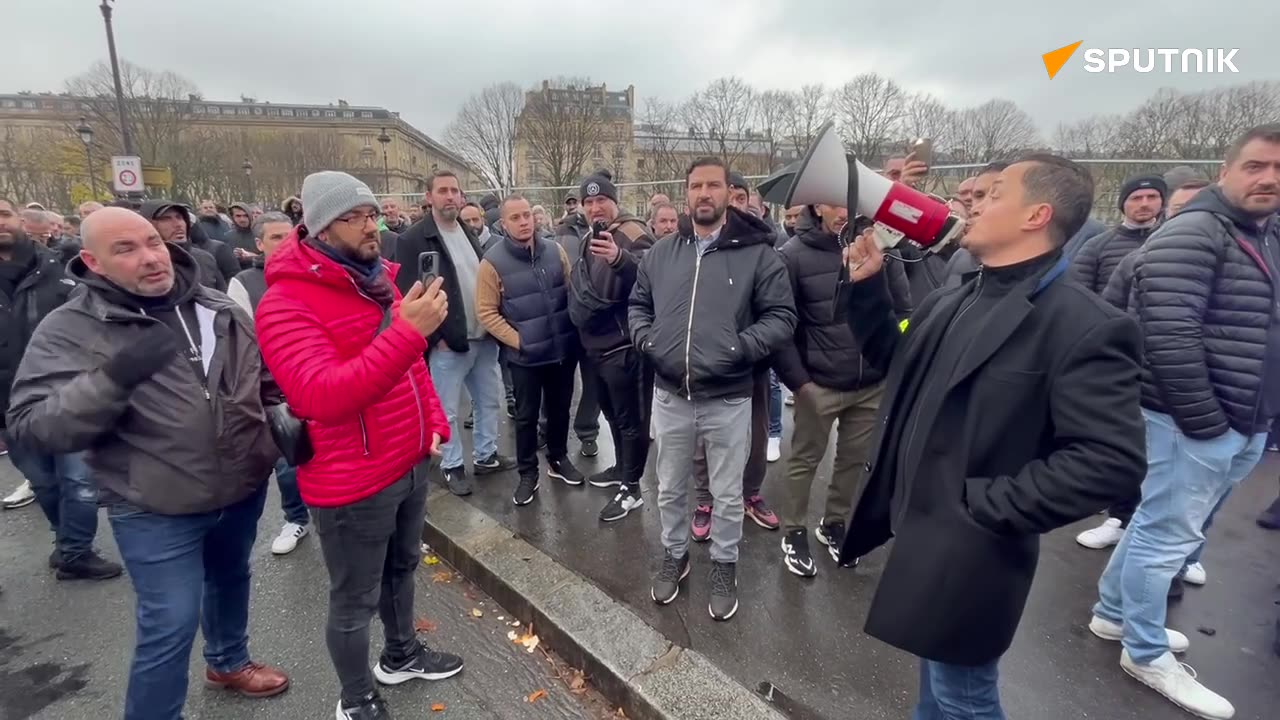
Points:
704	321
39	285
1101	254
824	347
1205	296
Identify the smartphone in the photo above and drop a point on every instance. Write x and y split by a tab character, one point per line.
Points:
923	148
597	228
428	264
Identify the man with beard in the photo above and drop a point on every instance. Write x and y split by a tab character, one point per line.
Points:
415	213
710	304
572	233
163	379
460	353
1205	295
604	273
210	220
240	236
1043	378
663	220
200	237
570	205
173	222
347	349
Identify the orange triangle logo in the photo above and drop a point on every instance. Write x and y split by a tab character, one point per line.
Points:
1055	59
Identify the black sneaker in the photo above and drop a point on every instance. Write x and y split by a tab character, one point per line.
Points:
470	422
495	463
666	586
831	534
795	553
511	408
525	490
724	590
589	448
55	559
606	478
426	664
88	566
563	469
621	504
371	707
457	480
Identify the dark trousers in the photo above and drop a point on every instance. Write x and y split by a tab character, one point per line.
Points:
536	387
1123	510
65	494
295	511
186	570
625	387
586	420
757	463
371	549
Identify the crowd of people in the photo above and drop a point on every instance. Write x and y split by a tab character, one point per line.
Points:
165	361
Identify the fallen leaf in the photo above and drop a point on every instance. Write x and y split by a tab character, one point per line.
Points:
511	635
536	696
477	612
530	642
431	560
578	682
442	576
424	625
437	707
515	623
502	617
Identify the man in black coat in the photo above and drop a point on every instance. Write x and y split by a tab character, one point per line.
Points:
1206	294
1010	409
173	222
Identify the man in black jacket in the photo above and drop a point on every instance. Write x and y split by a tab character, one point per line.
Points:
32	285
240	236
173	222
604	273
571	233
461	352
709	304
830	387
1205	295
1142	199
1041	376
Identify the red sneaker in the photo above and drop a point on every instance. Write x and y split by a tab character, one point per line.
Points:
702	523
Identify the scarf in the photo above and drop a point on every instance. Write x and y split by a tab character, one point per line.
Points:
371	277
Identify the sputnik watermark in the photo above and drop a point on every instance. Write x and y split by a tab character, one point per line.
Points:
1145	60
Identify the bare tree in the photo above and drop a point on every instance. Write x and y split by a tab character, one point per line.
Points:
1092	137
158	106
774	110
659	143
1148	131
811	108
995	129
484	132
869	109
924	116
719	118
563	132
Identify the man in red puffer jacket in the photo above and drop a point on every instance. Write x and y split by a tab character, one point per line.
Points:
347	352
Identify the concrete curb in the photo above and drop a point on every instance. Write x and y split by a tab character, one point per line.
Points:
631	663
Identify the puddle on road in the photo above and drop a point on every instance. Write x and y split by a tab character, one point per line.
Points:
28	688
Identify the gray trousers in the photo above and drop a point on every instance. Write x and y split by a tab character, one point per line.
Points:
757	466
720	425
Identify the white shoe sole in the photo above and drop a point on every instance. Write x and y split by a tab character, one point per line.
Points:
732	611
1094	544
605	483
625	512
279	550
1178	642
674	595
567	481
786	557
397	678
15	504
532	495
1124	666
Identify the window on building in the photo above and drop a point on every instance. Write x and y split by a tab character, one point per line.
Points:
331	113
286	112
197	109
257	111
242	111
619	152
366	114
8	104
273	112
640	164
315	113
68	105
348	113
29	104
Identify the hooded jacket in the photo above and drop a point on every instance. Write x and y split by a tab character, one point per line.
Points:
39	286
214	227
295	218
601	290
705	320
1101	254
223	255
365	396
241	238
1205	295
210	274
163	446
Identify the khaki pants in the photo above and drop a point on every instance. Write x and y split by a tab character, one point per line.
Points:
817	408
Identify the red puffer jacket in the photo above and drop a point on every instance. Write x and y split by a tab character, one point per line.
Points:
368	402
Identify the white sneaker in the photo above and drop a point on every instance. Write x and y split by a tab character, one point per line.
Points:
1114	632
1195	574
1103	536
774	454
1177	682
20	497
287	541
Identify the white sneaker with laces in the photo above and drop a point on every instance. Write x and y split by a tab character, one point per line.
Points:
1103	536
1195	574
287	541
1114	632
774	452
22	496
1177	682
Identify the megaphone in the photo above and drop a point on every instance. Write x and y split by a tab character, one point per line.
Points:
826	175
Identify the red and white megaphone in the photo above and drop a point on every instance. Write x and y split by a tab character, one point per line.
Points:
826	175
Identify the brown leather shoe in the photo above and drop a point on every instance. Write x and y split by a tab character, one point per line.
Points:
254	680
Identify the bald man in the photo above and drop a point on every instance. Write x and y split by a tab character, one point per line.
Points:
163	378
964	191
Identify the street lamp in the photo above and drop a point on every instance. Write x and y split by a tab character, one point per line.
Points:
248	174
385	140
126	135
86	136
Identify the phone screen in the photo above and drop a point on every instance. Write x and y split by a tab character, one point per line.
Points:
428	263
923	149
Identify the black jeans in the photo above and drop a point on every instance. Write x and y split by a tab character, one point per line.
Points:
586	420
535	387
626	396
371	549
1123	510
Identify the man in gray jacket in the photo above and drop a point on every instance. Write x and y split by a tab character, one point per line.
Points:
160	379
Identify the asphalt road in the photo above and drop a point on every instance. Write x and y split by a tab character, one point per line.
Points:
65	646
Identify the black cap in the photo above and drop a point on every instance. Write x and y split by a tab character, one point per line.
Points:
571	196
1143	182
737	181
152	209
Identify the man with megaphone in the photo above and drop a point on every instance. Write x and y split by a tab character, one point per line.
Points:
1010	408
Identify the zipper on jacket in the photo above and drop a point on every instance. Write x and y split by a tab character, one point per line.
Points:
364	434
688	335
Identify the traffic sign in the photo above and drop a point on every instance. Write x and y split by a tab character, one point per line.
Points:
126	173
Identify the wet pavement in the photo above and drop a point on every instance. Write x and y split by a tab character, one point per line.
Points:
802	639
65	646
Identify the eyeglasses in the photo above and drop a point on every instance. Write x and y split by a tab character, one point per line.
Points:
358	221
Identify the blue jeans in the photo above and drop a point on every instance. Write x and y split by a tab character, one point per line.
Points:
958	692
186	570
478	370
1186	480
65	494
775	406
295	511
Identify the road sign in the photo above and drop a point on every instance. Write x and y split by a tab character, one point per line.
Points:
126	173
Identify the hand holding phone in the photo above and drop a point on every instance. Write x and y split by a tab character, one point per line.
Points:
602	244
428	267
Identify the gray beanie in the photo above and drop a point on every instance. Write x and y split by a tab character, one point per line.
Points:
328	194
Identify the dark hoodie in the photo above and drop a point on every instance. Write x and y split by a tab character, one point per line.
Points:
242	238
704	320
209	273
600	290
286	208
213	227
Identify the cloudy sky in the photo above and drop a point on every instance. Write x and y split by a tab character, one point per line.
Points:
424	57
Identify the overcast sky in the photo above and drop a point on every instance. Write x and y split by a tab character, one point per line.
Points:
424	57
